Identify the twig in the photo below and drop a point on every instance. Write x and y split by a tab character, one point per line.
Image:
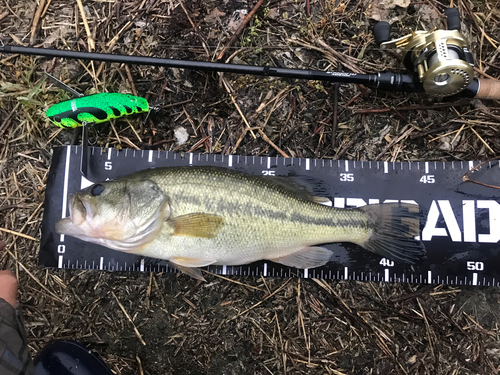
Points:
335	114
226	85
86	25
231	280
474	20
52	294
263	300
19	234
406	133
113	41
131	80
141	371
271	143
130	319
36	20
240	28
195	28
482	140
46	8
465	177
428	328
6	122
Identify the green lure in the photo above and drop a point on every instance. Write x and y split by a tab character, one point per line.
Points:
95	109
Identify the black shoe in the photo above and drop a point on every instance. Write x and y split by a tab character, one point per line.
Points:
66	357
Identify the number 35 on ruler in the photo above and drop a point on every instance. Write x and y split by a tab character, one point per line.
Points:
347	177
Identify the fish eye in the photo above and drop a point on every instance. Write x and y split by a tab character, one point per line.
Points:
97	190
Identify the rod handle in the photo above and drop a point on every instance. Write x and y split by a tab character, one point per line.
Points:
452	19
382	32
488	89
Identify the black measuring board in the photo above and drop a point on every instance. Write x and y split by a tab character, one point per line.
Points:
460	222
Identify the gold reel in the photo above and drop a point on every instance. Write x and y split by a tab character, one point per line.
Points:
440	57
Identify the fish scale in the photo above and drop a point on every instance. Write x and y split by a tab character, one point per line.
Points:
457	218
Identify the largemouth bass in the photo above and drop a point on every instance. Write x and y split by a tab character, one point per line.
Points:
198	216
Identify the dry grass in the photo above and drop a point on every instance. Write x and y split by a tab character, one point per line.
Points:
260	326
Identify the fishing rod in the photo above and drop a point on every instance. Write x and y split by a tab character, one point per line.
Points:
438	62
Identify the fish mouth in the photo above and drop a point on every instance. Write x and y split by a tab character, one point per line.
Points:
80	211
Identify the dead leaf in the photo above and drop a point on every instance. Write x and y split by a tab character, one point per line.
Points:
214	15
427	14
236	20
382	10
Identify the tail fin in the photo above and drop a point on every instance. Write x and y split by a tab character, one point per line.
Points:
394	227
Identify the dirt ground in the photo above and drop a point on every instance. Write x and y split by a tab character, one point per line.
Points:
243	325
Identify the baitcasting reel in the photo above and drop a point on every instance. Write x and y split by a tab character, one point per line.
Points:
440	58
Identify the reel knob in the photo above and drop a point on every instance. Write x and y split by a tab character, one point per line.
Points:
382	32
452	19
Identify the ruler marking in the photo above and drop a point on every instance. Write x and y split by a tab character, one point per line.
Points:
65	188
268	163
426	167
306	273
191	159
224	270
230	161
308	164
110	150
474	278
471	164
264	272
386	275
346	273
150	156
60	263
347	165
141	267
386	167
101	263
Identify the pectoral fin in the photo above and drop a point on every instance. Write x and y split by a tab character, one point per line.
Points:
196	225
188	265
310	257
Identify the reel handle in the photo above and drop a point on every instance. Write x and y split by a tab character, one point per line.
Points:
382	32
488	89
452	19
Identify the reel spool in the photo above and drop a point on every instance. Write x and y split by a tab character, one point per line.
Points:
440	58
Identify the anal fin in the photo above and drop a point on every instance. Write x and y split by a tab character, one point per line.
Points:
309	257
190	271
189	265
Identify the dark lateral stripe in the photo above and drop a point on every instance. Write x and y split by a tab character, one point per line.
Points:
224	207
